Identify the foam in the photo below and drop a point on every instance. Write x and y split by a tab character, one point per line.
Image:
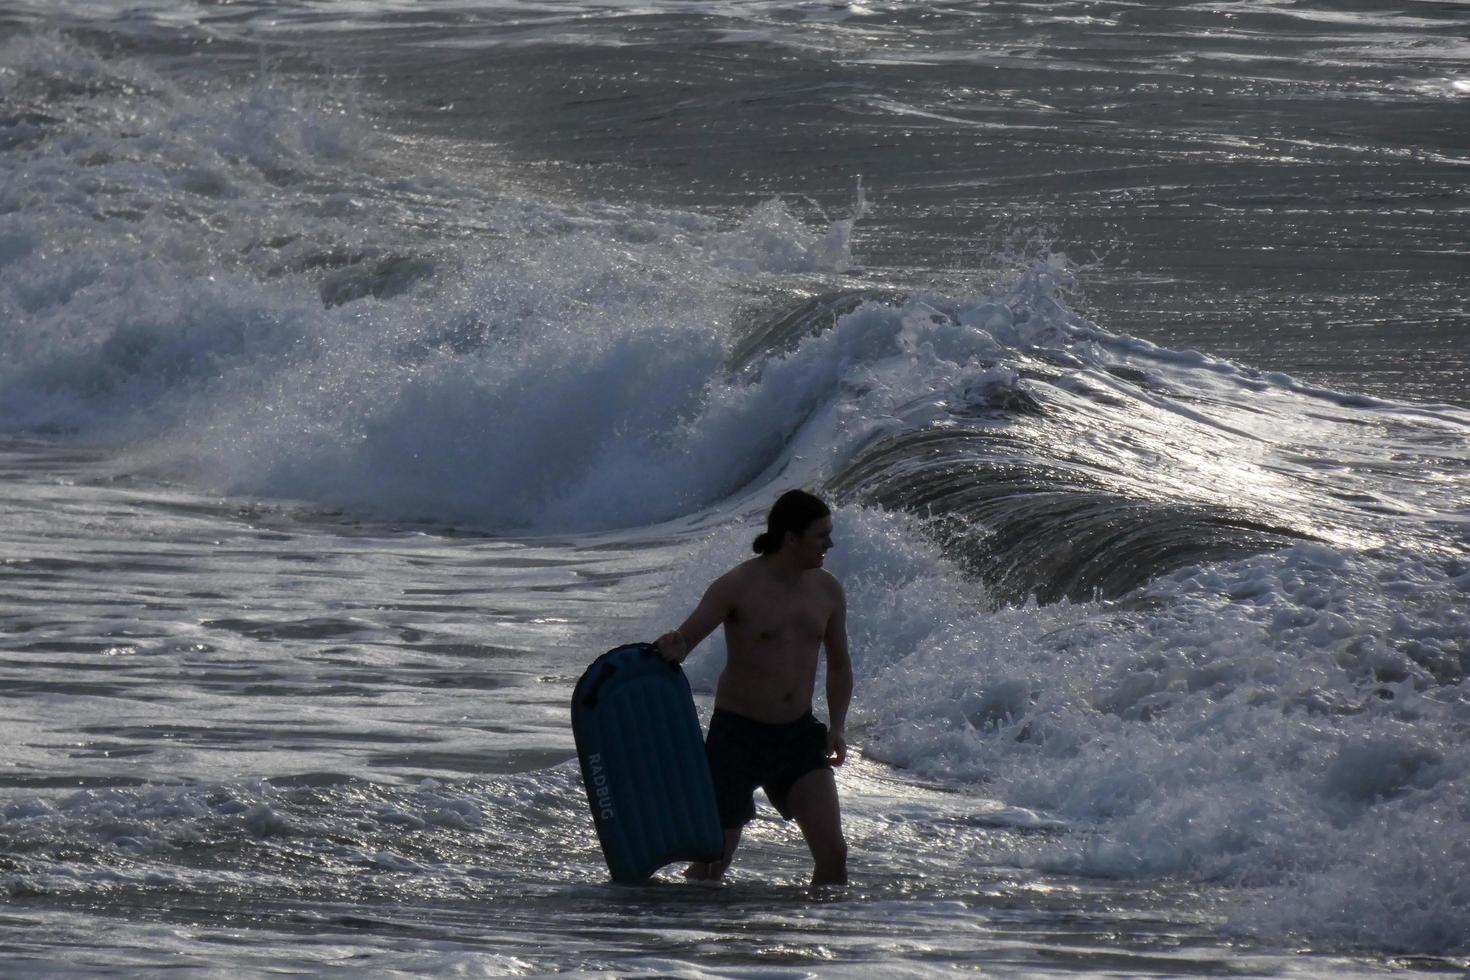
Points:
1291	725
535	376
240	299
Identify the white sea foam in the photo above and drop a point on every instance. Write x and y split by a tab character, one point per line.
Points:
1274	723
540	376
1292	724
527	366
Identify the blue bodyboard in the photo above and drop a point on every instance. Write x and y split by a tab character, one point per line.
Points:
643	763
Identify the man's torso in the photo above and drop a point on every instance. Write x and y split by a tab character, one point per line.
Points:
772	641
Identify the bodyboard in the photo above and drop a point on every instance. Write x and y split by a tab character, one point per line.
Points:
643	763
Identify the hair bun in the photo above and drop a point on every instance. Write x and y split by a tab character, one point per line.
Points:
762	543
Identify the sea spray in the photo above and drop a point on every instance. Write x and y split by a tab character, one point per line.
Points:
247	299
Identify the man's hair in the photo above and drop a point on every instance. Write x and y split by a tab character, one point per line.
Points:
794	511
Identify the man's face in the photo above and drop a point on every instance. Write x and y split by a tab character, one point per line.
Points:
813	543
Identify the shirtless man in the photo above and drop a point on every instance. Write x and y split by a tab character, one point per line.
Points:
778	609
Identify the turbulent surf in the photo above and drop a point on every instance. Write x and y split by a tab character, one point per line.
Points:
361	377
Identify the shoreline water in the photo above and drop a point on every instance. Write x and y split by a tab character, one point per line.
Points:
362	379
420	872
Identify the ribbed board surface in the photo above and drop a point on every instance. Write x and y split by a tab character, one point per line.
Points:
643	763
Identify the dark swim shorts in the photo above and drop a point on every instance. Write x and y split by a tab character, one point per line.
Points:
745	753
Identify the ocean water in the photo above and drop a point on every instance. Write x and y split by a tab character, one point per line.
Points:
367	369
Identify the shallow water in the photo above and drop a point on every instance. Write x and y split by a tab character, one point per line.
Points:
364	374
293	741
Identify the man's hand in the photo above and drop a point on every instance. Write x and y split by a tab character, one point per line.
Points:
836	748
671	646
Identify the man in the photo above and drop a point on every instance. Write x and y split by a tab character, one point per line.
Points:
778	610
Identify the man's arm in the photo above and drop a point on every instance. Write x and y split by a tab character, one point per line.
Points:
712	610
839	676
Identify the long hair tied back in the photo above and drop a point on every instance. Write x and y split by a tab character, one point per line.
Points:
793	511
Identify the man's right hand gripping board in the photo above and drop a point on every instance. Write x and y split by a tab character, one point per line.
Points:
643	762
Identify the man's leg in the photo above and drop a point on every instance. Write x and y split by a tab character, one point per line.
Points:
813	802
714	870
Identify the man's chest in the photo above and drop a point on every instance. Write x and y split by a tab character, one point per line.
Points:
771	615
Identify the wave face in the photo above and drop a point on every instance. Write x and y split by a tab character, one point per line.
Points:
1211	617
261	307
